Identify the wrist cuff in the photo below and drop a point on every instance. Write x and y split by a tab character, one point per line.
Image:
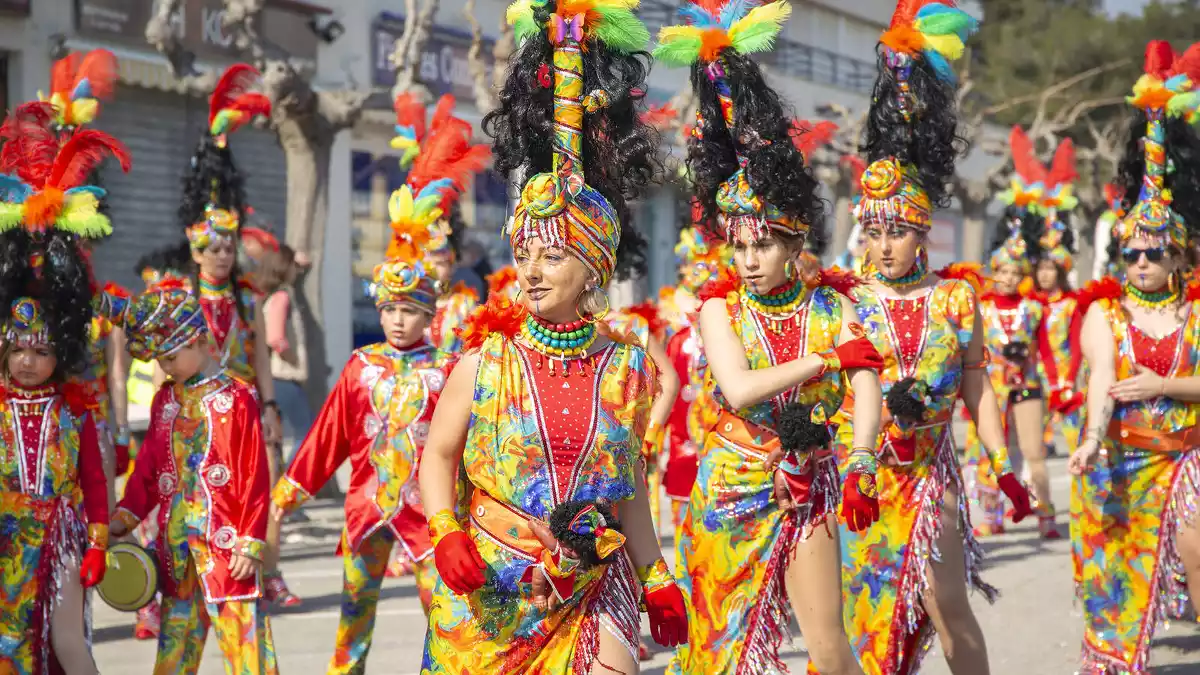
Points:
288	495
126	518
251	547
1000	462
655	575
97	534
441	524
862	461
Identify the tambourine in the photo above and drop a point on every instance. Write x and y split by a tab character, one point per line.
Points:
131	579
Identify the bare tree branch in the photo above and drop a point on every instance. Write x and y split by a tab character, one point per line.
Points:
163	33
406	56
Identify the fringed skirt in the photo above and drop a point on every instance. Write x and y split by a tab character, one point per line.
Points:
38	536
732	551
884	568
498	631
1132	505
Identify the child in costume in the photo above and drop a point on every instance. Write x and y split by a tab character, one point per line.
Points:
442	152
53	490
1013	325
547	411
775	337
377	416
1139	460
203	465
926	326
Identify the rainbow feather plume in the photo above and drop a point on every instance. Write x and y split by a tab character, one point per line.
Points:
741	25
935	30
612	22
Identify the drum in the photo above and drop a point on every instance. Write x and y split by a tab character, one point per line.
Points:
131	579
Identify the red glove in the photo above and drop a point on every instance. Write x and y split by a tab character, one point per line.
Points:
458	562
668	615
91	570
860	501
858	353
1061	403
1018	495
122	452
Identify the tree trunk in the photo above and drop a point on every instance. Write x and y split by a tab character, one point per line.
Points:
974	229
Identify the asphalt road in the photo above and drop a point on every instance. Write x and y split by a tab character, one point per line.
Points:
1034	629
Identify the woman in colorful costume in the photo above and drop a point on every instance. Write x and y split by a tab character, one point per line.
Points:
1140	456
760	527
548	408
213	207
53	490
377	417
925	324
442	152
1014	333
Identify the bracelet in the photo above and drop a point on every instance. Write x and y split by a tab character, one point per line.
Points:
441	524
1000	461
270	404
862	461
97	536
654	576
830	362
122	435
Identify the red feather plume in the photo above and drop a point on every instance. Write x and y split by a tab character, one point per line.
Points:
501	279
98	67
1025	159
659	116
499	315
906	10
169	283
233	92
721	286
842	281
29	145
82	153
1112	193
1160	58
1062	170
1104	288
447	153
649	312
1189	63
62	73
809	137
410	113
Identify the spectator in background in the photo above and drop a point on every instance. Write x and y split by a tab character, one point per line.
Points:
472	268
275	278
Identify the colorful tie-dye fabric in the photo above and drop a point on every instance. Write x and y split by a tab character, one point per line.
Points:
236	352
1060	311
884	567
1132	504
95	378
1001	327
497	629
243	633
452	313
734	540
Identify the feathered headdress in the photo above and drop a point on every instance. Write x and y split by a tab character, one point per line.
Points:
78	83
410	127
1028	184
233	103
1059	198
558	206
932	32
713	27
1170	87
402	277
42	184
1013	251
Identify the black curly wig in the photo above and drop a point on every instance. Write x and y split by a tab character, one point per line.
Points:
620	151
930	140
1182	179
797	432
172	259
902	405
1032	227
776	170
582	545
63	286
212	178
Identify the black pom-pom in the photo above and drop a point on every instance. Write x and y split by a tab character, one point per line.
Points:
797	432
1015	351
903	406
583	545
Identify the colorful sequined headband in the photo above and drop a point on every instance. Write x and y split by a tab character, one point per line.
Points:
26	325
558	206
1014	251
163	320
403	277
217	224
710	29
892	197
1169	88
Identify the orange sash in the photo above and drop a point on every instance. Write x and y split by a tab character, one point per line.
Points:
1153	440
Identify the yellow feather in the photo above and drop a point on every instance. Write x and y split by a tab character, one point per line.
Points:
950	46
400	204
776	12
668	33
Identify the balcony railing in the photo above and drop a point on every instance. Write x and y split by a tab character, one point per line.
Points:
790	57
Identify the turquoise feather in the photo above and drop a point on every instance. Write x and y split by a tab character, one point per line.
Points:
435	188
13	189
695	15
941	67
735	10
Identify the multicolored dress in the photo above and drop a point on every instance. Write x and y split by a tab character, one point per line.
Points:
1012	334
1143	490
231	328
1063	356
95	378
377	417
53	500
694	414
734	542
453	310
538	437
884	567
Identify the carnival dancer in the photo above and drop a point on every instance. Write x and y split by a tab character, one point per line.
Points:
204	466
907	576
1139	459
775	339
548	408
425	150
211	211
377	417
53	490
1014	334
1051	275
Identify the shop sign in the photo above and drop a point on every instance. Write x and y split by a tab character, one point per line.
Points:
444	66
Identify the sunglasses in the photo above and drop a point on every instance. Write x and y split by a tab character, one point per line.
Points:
1132	255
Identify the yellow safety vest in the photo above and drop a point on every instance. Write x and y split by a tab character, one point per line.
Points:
140	385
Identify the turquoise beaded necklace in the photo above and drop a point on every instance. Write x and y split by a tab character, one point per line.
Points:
565	340
1158	300
914	277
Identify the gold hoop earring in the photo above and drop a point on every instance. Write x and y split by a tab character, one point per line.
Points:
789	270
593	318
1172	282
